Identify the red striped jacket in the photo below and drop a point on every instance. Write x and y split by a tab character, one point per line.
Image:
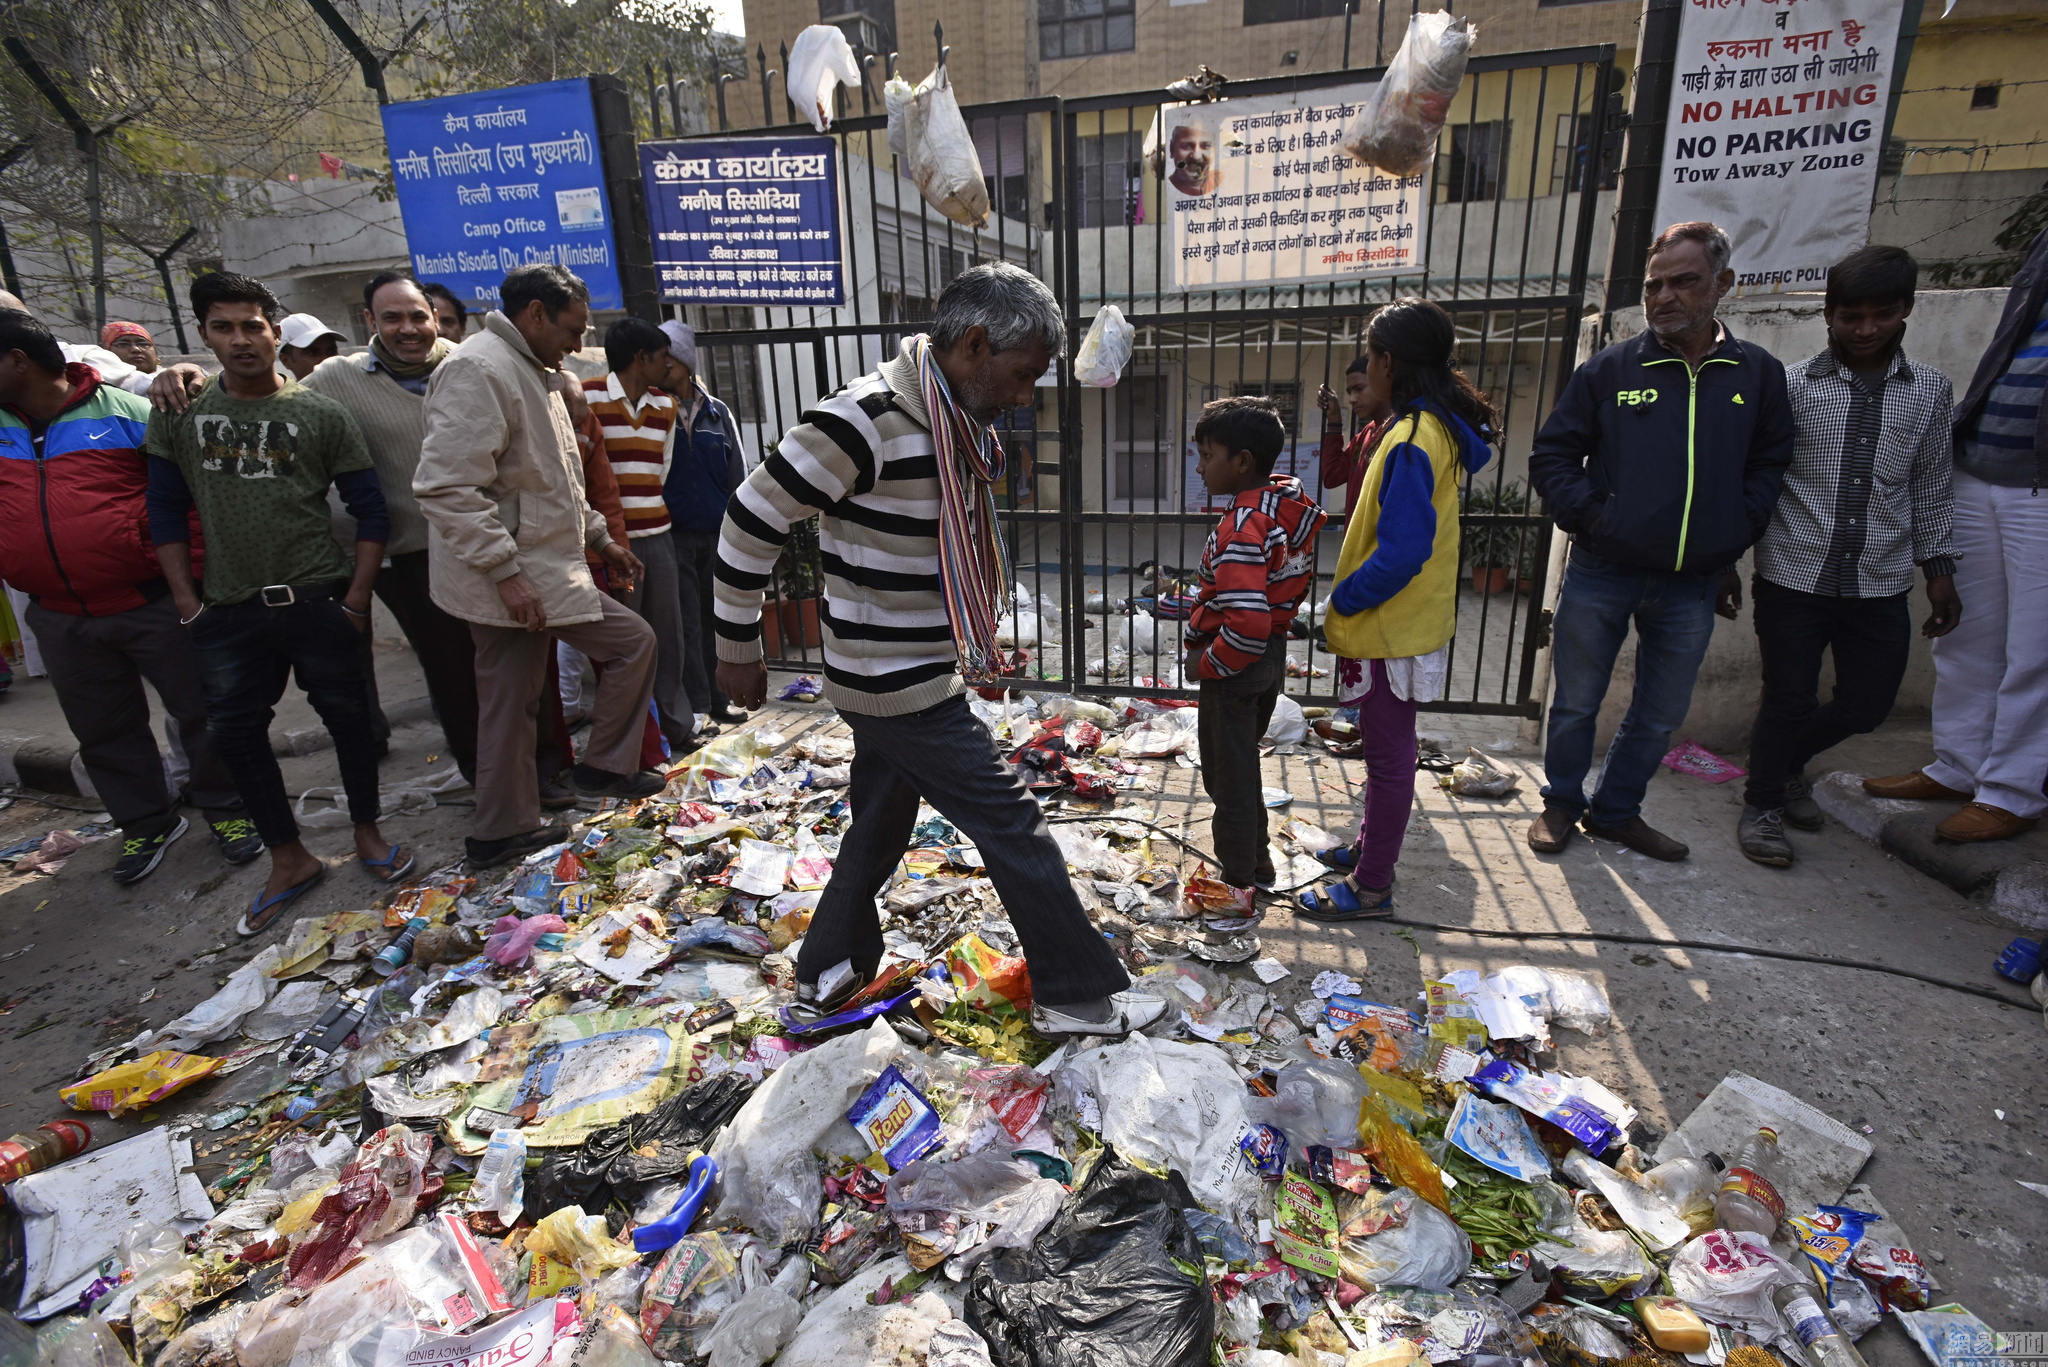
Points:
1257	565
638	445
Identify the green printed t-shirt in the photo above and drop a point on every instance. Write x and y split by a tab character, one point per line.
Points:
259	472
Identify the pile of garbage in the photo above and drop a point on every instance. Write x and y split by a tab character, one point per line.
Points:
569	1117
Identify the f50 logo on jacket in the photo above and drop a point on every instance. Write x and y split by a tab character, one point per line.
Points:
1635	398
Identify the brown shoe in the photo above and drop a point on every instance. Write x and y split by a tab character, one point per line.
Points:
1551	832
1982	821
1643	838
1913	787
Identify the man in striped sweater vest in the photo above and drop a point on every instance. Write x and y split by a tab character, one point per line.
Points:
898	467
639	424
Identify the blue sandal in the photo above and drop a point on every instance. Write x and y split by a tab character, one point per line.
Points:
391	863
264	911
1342	902
1343	857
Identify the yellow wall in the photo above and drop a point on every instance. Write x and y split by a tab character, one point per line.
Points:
1950	59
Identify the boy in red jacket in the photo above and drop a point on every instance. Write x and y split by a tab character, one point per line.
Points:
1257	565
72	484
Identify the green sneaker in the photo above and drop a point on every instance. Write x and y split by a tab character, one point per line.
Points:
237	838
140	854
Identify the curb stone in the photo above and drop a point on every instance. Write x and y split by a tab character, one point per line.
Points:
2005	877
51	764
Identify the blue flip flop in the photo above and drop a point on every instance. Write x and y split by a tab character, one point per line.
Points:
264	911
1340	902
390	862
1343	857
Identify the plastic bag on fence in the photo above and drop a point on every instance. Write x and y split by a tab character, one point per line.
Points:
943	162
896	96
395	799
1106	350
1410	1243
820	61
1289	726
1397	126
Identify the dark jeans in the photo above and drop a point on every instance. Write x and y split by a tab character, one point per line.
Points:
947	757
1674	620
1233	717
246	653
696	557
97	665
1871	638
442	645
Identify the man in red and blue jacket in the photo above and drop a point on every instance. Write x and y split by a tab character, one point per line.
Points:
72	484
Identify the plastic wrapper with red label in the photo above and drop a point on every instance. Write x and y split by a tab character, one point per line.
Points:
692	1283
1305	1226
1828	1238
1893	1270
376	1194
1015	1096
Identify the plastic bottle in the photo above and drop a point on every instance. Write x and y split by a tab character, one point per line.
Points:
1749	1198
1691	1185
43	1147
1823	1341
394	955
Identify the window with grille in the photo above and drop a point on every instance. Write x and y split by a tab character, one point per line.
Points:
1082	28
1286	11
1108	174
1286	395
867	24
1568	158
1476	163
730	370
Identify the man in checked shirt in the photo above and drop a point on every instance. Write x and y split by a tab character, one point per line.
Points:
1868	497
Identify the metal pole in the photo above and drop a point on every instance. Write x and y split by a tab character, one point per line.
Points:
723	77
1379	42
89	147
788	104
653	102
1350	8
675	96
761	58
7	271
163	269
370	62
1642	161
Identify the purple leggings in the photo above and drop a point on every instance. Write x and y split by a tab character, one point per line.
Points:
1386	726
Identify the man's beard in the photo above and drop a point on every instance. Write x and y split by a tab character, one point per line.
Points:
1195	168
977	399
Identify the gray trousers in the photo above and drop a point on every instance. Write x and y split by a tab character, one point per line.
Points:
98	665
655	598
945	756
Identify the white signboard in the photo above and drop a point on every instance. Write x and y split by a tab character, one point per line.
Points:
1257	192
1776	127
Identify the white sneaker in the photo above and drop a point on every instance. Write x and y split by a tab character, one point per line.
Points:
1128	1010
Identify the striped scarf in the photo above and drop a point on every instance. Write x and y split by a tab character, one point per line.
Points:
974	565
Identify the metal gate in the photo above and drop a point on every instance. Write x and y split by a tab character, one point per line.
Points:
1097	508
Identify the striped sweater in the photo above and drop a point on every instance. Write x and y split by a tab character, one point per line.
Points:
639	442
864	462
1259	562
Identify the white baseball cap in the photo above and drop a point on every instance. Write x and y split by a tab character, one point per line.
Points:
303	329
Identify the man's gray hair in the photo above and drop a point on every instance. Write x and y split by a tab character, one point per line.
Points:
1012	305
1710	236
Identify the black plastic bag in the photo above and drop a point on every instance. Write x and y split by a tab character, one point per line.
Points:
615	1164
1114	1281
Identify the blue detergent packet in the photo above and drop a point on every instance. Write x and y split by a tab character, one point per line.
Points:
1265	1151
896	1119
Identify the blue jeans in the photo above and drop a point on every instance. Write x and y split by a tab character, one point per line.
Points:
1674	620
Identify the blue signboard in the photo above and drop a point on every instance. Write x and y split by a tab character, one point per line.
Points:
745	220
500	179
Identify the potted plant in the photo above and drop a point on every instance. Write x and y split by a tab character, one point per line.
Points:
1490	549
791	614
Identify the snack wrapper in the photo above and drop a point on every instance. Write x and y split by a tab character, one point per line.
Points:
1454	1020
989	979
141	1082
1305	1226
896	1119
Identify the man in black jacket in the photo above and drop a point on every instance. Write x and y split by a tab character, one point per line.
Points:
1663	457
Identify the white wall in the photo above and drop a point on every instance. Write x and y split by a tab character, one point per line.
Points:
1949	328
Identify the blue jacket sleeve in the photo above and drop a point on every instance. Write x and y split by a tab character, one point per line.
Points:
169	501
1557	458
1406	533
363	496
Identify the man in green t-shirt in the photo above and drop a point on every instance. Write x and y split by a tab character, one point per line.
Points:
256	451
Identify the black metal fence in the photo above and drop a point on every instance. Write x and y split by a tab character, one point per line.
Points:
1098	508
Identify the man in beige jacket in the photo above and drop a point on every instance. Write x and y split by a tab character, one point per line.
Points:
501	484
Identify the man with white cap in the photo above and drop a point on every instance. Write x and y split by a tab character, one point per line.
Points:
705	466
305	342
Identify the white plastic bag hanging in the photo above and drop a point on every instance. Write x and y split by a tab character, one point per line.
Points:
896	96
820	62
1106	350
1397	126
943	161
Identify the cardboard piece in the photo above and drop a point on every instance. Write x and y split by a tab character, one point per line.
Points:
1821	1155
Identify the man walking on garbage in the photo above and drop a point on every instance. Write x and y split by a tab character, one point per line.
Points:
73	485
1991	672
898	467
501	483
1663	458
